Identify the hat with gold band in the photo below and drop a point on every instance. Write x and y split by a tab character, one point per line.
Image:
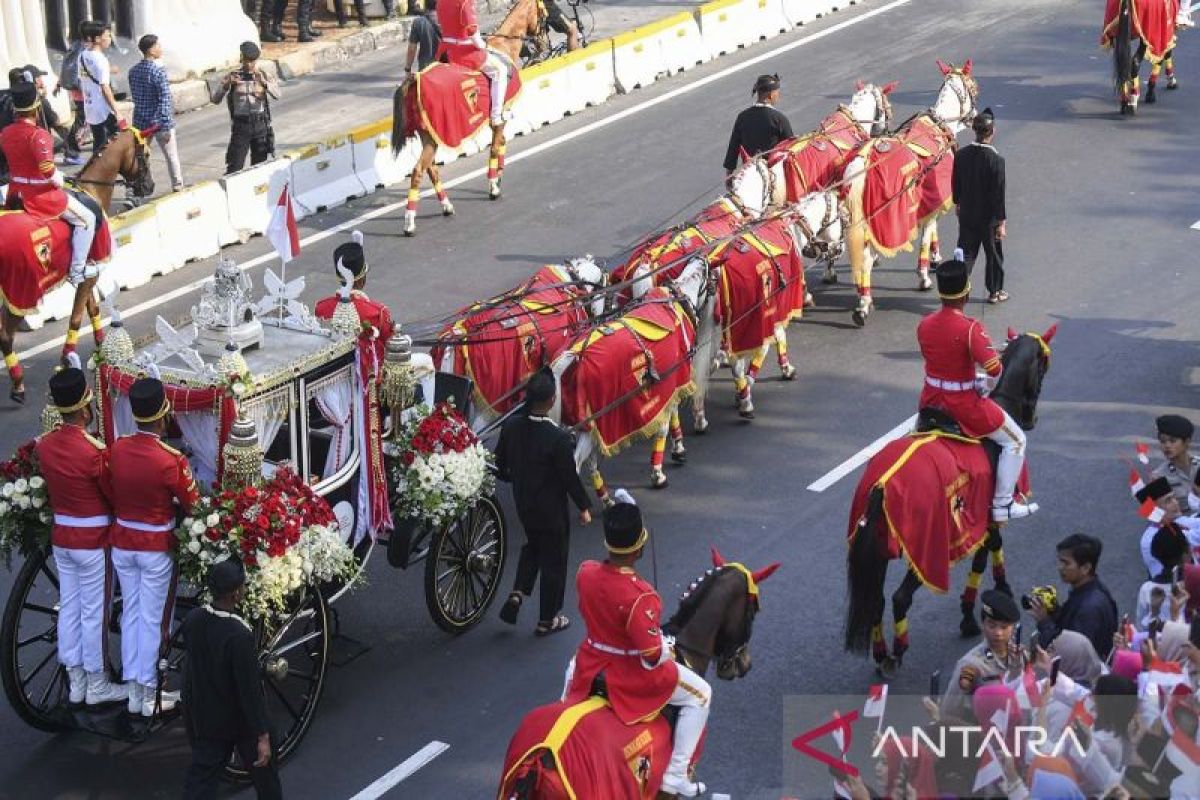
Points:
148	400
25	94
624	532
953	278
69	390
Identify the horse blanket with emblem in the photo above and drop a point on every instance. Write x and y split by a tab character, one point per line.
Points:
889	194
937	501
934	148
815	161
761	277
1152	21
630	371
35	257
499	343
451	102
584	752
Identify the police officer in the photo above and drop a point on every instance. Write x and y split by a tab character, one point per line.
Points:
247	91
760	127
977	184
997	657
1179	466
351	255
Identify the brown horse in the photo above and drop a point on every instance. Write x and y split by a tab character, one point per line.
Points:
29	271
524	19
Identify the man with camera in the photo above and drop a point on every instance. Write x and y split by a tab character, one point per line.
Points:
247	91
1089	608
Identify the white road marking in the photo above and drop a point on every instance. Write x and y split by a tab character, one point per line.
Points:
402	770
1196	225
476	173
861	457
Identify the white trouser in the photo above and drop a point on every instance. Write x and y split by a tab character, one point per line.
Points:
692	695
1011	439
496	71
168	143
83	230
82	599
148	594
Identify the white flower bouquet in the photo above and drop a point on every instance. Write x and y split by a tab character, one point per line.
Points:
444	469
25	517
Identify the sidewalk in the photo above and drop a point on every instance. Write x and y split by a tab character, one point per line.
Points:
349	88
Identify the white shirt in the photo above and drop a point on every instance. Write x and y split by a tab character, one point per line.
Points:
94	72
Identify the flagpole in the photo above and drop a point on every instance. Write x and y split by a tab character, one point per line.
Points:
287	196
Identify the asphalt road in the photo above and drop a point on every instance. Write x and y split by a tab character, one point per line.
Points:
1100	208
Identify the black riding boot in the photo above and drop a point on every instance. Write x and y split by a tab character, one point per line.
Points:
269	29
304	21
360	11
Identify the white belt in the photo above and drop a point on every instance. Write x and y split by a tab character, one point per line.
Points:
31	181
950	386
452	40
148	527
69	521
616	651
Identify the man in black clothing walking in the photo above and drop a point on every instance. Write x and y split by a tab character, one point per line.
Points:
978	188
538	458
223	699
760	127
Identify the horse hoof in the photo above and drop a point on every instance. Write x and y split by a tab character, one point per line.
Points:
1002	586
410	232
887	668
809	302
447	210
658	481
746	413
924	284
829	277
700	427
17	396
860	319
787	373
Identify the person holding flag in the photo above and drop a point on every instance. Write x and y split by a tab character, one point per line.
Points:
1159	505
1179	466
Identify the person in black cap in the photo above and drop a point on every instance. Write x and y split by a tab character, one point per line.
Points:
1161	508
377	320
224	708
1179	467
977	184
760	127
997	657
537	457
248	91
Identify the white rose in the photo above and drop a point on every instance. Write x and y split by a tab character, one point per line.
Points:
22	502
212	520
7	491
198	528
3	508
38	502
193	547
37	482
22	485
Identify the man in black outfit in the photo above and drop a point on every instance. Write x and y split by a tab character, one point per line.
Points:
1090	608
978	188
224	707
760	127
538	458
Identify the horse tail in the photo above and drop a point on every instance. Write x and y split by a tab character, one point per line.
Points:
1122	48
398	121
866	568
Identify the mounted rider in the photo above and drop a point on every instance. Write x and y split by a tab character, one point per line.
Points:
953	344
351	256
463	44
36	184
625	642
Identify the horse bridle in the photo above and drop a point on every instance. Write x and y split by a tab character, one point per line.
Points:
967	94
724	659
141	171
833	211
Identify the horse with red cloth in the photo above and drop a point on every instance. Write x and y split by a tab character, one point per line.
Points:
1152	23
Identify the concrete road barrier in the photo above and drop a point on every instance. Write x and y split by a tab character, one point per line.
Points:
637	58
765	19
680	42
137	248
800	12
722	26
192	224
543	98
591	75
374	163
251	195
323	176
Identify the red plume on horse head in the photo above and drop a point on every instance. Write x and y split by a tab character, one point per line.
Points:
1049	334
1012	333
944	67
759	575
889	87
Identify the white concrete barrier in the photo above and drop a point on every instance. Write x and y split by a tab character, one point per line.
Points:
197	35
637	58
374	163
543	98
323	175
800	12
765	19
722	26
680	42
251	195
193	224
137	249
591	77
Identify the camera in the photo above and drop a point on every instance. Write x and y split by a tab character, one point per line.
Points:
1046	595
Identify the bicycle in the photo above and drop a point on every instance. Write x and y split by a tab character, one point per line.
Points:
540	48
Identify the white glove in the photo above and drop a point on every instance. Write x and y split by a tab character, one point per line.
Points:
623	496
91	270
76	275
984	384
477	40
56	178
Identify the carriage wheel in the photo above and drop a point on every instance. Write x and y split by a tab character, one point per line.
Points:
34	681
464	566
293	660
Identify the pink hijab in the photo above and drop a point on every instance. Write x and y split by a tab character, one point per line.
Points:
993	697
1127	664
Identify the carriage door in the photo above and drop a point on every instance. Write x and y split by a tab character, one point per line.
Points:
331	410
274	416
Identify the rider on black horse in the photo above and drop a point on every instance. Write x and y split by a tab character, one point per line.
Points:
953	344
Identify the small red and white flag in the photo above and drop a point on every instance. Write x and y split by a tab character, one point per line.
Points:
281	231
1029	694
876	701
1143	452
842	736
1081	712
990	769
1136	484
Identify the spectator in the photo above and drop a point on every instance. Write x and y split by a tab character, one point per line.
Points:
1079	659
557	21
1179	466
1089	608
248	91
1169	549
977	182
224	707
423	39
47	118
996	658
1167	515
95	77
537	457
760	127
153	106
68	78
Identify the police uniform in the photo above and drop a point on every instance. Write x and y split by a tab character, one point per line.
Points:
953	345
75	468
759	128
151	483
35	184
250	113
625	642
977	184
463	44
981	664
351	256
1178	427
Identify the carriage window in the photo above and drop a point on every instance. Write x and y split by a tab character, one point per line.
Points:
273	415
333	403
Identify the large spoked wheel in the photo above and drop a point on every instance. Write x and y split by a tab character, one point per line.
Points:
464	566
34	682
293	659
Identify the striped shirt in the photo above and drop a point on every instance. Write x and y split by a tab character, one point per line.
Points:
151	93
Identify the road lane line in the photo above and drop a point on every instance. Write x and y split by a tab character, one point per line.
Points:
861	457
402	770
1196	225
512	159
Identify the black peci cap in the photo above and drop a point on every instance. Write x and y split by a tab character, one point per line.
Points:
225	577
624	532
1154	490
69	390
148	400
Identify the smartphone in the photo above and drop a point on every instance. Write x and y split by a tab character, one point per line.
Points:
1054	666
935	684
1017	635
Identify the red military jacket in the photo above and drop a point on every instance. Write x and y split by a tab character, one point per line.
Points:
621	611
149	477
371	312
953	344
75	467
457	20
30	153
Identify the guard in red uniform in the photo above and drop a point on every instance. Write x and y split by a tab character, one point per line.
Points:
151	484
36	184
75	468
953	344
624	641
351	256
463	44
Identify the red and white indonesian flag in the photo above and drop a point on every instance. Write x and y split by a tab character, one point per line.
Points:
1143	452
990	769
1027	690
876	701
842	736
1148	509
281	230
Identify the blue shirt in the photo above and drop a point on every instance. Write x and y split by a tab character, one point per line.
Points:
151	93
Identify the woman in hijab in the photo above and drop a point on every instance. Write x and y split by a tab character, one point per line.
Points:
1079	660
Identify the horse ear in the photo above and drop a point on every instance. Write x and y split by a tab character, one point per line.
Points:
966	68
1049	334
888	88
717	559
1011	333
858	85
766	572
944	67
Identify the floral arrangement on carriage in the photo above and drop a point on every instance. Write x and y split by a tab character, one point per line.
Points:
25	518
443	468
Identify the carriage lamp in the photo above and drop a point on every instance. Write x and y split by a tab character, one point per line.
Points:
242	456
276	668
399	379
